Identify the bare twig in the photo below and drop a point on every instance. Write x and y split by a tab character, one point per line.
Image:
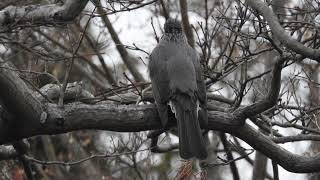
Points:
69	67
71	163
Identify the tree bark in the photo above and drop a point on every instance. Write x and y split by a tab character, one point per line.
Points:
14	16
30	118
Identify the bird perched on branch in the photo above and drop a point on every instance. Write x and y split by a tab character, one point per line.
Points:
177	81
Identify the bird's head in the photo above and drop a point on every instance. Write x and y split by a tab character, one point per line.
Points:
172	26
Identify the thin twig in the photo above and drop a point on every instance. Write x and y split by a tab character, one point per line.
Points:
70	163
154	31
69	68
226	162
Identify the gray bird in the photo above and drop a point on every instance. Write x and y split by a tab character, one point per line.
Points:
177	81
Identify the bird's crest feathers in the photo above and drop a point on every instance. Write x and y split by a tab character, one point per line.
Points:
172	26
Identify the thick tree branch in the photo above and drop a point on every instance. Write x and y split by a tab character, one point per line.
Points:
30	118
14	16
120	118
296	138
74	91
280	33
281	156
17	98
132	118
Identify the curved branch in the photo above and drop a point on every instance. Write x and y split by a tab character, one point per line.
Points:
44	14
289	161
17	99
133	118
280	33
270	100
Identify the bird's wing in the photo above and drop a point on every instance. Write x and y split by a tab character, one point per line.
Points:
160	81
201	87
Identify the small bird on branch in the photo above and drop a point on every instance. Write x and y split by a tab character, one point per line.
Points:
177	81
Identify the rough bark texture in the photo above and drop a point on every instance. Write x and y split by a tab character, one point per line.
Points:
43	15
30	118
17	98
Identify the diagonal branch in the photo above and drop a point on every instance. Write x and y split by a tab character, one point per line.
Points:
107	70
289	161
127	58
280	33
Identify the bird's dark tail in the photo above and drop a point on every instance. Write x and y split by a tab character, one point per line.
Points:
191	143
